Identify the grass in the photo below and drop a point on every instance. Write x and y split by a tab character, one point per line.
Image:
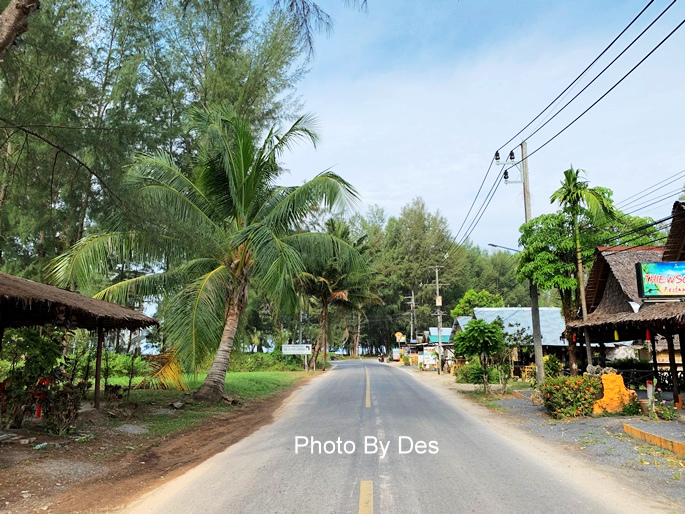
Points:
151	406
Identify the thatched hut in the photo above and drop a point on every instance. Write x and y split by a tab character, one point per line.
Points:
26	303
615	309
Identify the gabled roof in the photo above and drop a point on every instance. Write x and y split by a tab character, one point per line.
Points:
618	261
551	321
675	244
27	303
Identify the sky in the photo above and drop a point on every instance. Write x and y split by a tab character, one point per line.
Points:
414	97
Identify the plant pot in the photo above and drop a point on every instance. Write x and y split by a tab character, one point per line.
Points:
644	407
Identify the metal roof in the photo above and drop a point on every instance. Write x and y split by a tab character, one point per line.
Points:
551	321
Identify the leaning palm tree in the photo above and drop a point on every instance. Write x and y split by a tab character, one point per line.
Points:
572	196
215	227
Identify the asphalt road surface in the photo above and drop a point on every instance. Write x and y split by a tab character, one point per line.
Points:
370	437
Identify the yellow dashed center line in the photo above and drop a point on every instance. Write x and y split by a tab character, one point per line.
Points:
368	389
366	493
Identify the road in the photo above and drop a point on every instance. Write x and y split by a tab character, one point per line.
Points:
395	445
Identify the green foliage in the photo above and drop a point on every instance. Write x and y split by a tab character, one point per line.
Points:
571	396
473	299
479	338
632	408
472	373
34	355
264	362
61	405
552	366
664	409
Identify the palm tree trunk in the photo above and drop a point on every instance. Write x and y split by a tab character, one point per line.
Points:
359	334
212	389
321	339
581	286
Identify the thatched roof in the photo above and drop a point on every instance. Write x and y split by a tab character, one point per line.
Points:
675	244
617	262
27	303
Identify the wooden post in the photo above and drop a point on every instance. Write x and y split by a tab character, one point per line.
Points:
654	361
98	363
674	372
681	340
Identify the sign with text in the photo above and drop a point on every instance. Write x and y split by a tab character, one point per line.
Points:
660	279
297	349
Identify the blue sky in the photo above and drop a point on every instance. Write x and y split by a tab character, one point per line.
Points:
413	99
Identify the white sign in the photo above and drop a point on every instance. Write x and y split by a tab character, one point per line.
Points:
297	349
438	301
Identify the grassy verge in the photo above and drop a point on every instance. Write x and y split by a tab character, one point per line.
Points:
151	406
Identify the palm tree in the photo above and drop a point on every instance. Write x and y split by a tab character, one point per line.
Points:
572	196
333	282
219	225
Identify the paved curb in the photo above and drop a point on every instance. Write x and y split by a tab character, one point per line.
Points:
674	446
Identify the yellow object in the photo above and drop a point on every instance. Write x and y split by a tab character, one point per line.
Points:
616	396
615	335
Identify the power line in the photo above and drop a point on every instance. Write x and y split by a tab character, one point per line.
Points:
475	198
579	76
652	187
654	201
605	69
603	96
484	206
540	114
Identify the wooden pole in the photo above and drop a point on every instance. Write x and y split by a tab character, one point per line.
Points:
654	361
98	363
674	371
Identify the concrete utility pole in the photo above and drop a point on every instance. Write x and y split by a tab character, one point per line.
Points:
439	313
534	306
534	297
412	315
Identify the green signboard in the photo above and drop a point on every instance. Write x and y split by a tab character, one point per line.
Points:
660	279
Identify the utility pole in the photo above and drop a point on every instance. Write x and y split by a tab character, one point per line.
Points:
439	313
534	297
412	315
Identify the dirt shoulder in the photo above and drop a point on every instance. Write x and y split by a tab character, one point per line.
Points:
100	471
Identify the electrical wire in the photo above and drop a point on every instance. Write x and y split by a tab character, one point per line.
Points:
665	196
644	191
484	207
475	198
605	69
540	114
579	76
603	96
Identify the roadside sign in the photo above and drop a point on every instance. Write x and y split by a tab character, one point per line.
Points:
438	301
297	349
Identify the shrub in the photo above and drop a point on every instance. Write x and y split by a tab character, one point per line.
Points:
472	373
264	362
571	396
405	360
632	408
552	366
61	406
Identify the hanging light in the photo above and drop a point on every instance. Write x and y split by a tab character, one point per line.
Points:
574	337
511	156
497	155
615	335
648	336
